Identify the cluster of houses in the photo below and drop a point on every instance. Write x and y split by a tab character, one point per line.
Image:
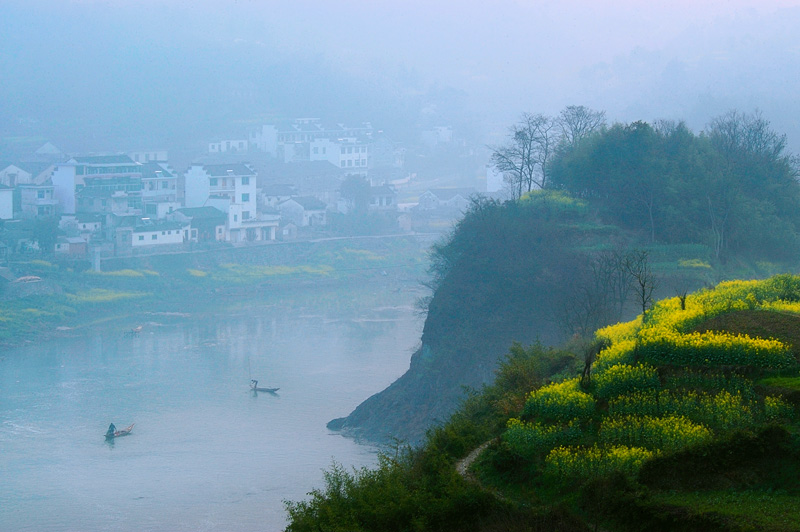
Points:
127	203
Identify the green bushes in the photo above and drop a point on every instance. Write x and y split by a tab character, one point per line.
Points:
776	409
596	461
624	378
561	402
668	347
531	440
669	433
721	411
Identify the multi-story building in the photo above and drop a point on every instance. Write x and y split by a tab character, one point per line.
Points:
228	146
6	202
147	156
37	200
108	184
230	188
159	190
350	154
290	140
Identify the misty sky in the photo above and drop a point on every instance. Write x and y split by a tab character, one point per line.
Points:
94	72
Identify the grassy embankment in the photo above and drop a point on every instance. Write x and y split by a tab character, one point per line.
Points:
688	422
191	283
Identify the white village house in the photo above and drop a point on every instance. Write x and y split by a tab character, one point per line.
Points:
231	188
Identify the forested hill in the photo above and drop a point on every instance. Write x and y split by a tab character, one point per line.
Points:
627	213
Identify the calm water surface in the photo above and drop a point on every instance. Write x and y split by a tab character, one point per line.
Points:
206	453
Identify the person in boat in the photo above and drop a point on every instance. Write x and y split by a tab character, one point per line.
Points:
111	430
253	384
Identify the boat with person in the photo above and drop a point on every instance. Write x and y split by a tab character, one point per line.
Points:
112	431
254	386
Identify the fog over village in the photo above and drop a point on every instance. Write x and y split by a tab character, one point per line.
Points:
266	242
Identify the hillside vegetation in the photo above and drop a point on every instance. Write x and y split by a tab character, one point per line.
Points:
593	207
687	419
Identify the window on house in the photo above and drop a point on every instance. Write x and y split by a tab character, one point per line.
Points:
212	181
141	237
235	217
154	237
343	150
343	164
245	215
245	180
165	184
245	198
316	150
40	194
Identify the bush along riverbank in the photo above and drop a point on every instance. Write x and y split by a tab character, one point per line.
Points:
685	418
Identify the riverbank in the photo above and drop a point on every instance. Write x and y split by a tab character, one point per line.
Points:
62	301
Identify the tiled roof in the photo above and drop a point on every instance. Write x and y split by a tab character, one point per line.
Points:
445	194
104	159
382	190
310	203
202	212
84	217
301	169
222	170
149	171
33	168
162	226
279	190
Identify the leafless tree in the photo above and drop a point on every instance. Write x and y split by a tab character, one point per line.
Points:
578	122
598	295
525	159
736	133
637	265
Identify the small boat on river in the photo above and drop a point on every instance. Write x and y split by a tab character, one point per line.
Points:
114	433
255	388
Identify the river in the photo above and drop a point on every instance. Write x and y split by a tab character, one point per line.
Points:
206	453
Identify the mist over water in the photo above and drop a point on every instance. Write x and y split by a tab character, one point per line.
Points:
205	453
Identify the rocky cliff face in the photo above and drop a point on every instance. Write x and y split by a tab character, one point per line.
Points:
504	284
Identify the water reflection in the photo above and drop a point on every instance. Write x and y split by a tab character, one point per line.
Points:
183	380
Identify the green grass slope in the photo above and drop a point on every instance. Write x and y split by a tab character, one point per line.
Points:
688	420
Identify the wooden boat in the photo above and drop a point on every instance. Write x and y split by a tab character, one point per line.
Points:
255	388
124	432
133	332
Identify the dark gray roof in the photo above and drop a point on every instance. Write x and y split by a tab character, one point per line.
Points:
279	190
104	159
382	190
310	203
33	168
202	212
161	226
149	171
445	194
300	169
222	170
85	217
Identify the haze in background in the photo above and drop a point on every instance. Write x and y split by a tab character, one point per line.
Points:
104	75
